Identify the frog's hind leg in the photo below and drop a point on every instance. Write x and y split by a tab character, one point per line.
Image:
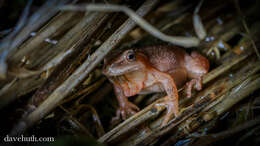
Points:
197	66
180	76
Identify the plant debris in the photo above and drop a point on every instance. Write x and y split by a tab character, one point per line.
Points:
51	81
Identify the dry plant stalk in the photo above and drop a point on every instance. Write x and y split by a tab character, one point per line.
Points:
10	44
246	28
87	26
212	102
52	27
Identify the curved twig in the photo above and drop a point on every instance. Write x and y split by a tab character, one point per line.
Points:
177	40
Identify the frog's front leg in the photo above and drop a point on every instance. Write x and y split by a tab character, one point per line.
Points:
171	100
126	108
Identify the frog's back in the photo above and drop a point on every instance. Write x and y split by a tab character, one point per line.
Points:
164	58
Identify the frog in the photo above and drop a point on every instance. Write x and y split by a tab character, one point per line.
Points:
154	69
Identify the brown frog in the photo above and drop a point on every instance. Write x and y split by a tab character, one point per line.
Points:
154	69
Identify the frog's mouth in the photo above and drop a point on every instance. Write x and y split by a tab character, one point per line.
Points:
112	72
118	70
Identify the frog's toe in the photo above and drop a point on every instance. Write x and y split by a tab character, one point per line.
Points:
131	112
128	110
198	84
133	106
172	109
123	113
188	92
170	112
132	109
188	88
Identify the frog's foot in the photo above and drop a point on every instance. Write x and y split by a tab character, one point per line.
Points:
172	109
189	85
127	109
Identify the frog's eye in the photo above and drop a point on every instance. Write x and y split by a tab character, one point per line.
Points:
131	56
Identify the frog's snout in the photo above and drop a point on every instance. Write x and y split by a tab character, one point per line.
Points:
107	71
